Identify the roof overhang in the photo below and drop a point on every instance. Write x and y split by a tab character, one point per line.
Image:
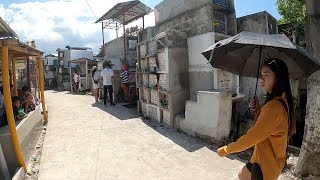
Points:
125	13
6	32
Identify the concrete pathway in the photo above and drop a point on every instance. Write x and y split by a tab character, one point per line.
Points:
87	141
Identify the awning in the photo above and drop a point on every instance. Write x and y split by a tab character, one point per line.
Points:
126	12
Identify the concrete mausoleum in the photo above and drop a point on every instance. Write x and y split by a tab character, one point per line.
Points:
208	110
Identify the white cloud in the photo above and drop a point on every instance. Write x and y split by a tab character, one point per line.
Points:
57	23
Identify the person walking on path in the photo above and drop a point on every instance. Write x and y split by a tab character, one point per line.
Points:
76	79
274	123
125	81
107	76
96	84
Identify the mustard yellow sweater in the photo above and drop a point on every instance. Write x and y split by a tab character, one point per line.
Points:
269	137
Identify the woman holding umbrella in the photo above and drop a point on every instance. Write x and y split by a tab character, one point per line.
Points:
273	122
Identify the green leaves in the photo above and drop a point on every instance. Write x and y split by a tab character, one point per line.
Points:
293	12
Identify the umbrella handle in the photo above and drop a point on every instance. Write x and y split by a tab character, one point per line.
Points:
211	55
255	91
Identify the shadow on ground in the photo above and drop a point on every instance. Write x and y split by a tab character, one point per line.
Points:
117	111
185	141
189	143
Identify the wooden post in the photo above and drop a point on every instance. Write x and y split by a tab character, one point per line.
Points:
124	41
117	28
28	73
41	79
38	82
102	39
71	81
87	83
143	22
14	76
8	105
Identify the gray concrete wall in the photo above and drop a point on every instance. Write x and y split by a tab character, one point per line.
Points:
115	50
209	116
175	57
28	136
168	9
193	16
247	87
193	22
201	73
146	34
178	78
257	23
20	174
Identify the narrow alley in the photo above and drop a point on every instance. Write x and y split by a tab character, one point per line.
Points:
92	141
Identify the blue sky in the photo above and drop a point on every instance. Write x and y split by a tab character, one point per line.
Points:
53	24
243	7
246	7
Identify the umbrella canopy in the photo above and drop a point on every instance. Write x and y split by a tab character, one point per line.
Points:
244	54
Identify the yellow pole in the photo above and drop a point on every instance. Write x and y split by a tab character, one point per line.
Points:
37	79
8	105
14	73
41	79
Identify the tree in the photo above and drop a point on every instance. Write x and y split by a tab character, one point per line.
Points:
100	51
309	158
293	12
132	31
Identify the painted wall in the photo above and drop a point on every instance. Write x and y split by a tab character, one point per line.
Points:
201	73
209	116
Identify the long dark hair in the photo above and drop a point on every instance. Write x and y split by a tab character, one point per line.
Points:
93	71
282	83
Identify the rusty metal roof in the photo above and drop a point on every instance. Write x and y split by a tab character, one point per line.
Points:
126	12
6	32
16	48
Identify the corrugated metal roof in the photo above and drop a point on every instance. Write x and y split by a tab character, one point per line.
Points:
126	12
78	48
6	32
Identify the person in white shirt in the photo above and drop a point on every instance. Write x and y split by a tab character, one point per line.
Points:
76	80
107	76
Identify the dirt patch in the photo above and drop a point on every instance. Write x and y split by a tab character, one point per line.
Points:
34	161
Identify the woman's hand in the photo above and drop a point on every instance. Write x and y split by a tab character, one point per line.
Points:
222	151
254	103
